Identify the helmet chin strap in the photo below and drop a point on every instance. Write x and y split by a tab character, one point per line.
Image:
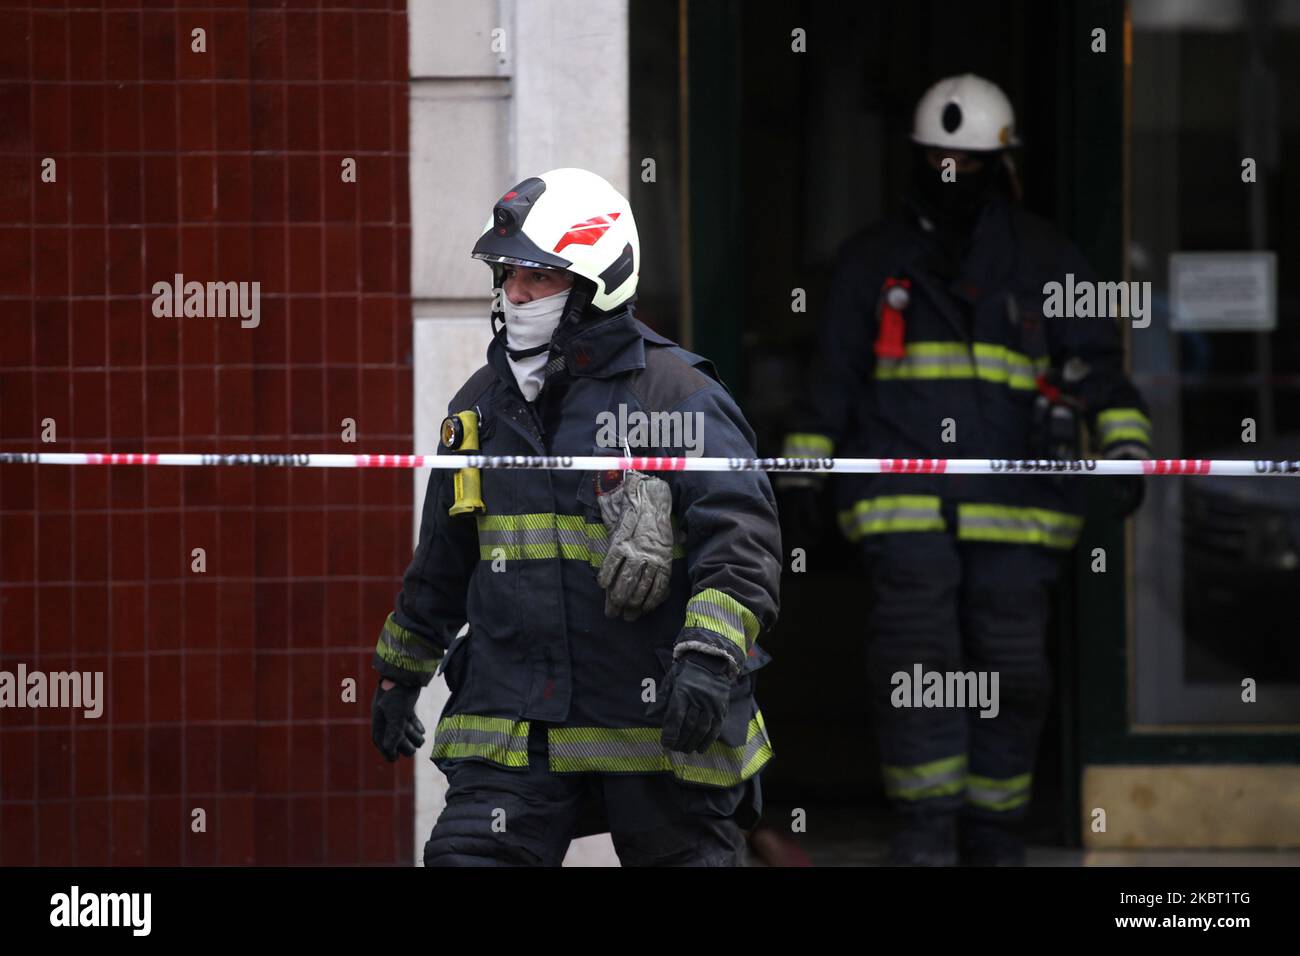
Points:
575	307
498	294
517	354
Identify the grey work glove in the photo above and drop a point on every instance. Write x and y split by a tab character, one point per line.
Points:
694	699
394	728
638	563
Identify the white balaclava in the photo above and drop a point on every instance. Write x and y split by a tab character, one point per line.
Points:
528	326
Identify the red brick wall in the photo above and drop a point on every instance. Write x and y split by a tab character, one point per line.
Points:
223	689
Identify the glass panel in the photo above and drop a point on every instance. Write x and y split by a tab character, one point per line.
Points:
1217	560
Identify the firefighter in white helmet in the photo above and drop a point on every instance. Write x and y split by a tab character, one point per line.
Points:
606	680
935	345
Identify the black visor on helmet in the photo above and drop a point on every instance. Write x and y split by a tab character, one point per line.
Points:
505	240
528	258
518	250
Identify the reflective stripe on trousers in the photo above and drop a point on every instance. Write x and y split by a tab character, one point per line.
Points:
949	776
938	778
998	795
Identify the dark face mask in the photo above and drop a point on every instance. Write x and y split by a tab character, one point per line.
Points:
955	205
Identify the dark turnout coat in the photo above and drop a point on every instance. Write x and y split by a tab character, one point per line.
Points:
523	574
976	341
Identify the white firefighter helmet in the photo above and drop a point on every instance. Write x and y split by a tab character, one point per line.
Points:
965	112
568	219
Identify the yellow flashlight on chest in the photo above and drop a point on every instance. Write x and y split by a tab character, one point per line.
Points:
460	434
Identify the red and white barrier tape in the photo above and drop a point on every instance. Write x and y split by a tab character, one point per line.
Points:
871	466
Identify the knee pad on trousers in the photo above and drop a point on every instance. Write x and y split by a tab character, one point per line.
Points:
465	836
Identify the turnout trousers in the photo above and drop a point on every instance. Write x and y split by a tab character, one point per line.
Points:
500	817
956	607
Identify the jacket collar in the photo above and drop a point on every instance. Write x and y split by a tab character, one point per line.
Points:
989	258
600	348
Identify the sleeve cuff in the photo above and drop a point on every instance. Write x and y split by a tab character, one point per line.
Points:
402	656
1127	450
1123	426
807	445
688	643
718	623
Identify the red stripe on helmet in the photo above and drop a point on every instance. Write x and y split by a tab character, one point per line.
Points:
586	233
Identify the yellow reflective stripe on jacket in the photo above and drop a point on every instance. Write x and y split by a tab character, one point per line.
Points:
639	750
548	535
997	363
890	513
928	360
938	778
1123	424
953	360
401	648
497	739
990	794
719	612
807	445
1013	525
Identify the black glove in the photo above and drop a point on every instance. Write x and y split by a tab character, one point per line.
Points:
1122	495
694	700
393	725
799	509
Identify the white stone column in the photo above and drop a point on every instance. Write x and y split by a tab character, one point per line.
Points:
499	91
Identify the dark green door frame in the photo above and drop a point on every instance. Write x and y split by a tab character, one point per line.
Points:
714	185
1094	142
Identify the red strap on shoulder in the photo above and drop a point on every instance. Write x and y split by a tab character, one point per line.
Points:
890	337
